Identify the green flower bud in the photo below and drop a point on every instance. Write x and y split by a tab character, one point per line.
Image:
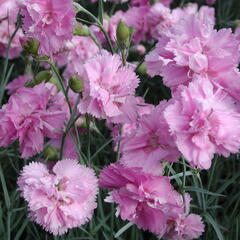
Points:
76	84
123	32
81	30
142	69
55	81
43	76
50	153
31	46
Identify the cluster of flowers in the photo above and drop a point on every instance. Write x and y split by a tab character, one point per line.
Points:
199	65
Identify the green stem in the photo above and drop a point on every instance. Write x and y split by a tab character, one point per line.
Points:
4	79
82	9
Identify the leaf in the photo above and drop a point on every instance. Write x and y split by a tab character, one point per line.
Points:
201	190
100	11
5	191
215	226
123	229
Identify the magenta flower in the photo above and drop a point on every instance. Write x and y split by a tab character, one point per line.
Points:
108	86
60	198
48	21
146	200
150	143
204	121
29	118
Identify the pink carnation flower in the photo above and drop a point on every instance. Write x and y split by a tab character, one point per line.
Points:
146	200
150	143
17	83
9	10
108	86
137	17
29	118
204	121
48	21
6	30
79	50
185	228
193	48
60	198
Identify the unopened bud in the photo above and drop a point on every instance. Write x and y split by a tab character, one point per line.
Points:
50	153
81	30
142	69
76	84
43	76
123	32
55	81
30	45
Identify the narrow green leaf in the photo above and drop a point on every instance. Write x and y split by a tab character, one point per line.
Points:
100	11
214	225
123	229
5	191
20	231
196	189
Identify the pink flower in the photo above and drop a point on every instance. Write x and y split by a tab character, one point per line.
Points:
9	9
137	17
60	198
49	22
185	228
203	122
150	143
194	48
29	118
6	30
146	200
17	83
160	19
79	50
108	86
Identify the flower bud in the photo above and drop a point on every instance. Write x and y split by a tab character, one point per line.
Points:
50	153
142	69
123	32
81	30
55	81
40	77
76	84
43	76
30	45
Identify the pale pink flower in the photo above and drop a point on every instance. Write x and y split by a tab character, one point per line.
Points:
108	86
204	121
17	83
137	17
160	19
59	198
48	21
6	31
79	50
150	143
184	226
146	200
194	47
29	118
